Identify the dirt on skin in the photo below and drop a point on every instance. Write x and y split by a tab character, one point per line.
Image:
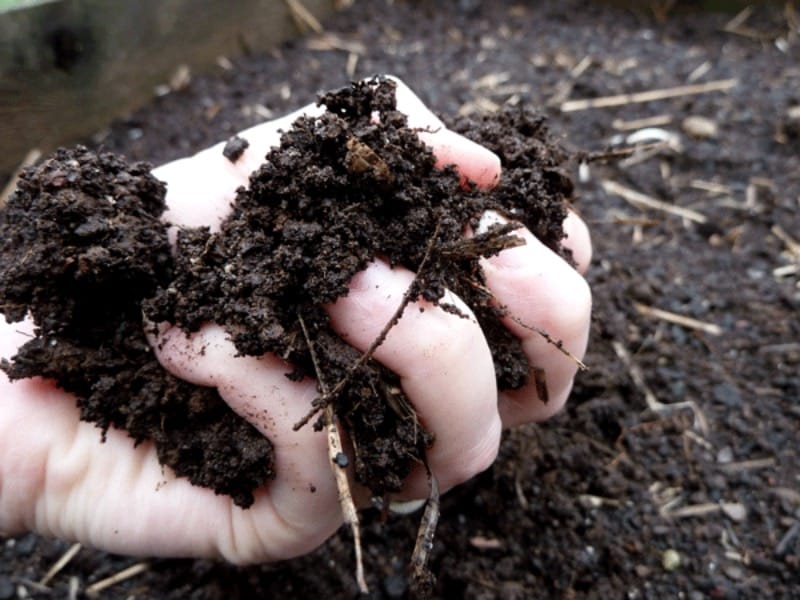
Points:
598	502
81	247
85	252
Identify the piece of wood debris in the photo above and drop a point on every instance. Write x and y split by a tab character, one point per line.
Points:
677	319
641	200
132	571
792	245
733	510
701	128
486	543
635	124
712	187
653	404
303	18
60	564
352	63
748	465
28	160
720	85
328	41
701	70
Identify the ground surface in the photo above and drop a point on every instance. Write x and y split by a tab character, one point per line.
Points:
599	501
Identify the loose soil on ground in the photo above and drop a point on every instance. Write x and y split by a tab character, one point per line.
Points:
681	439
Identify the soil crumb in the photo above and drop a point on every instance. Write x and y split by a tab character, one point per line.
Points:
85	252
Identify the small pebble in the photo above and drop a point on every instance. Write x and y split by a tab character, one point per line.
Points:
670	560
735	511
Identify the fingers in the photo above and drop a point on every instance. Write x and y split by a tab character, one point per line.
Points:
578	240
445	367
473	162
304	492
540	289
115	496
201	188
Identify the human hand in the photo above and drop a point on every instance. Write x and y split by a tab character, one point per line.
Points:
55	480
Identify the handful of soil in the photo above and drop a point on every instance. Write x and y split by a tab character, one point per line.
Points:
83	250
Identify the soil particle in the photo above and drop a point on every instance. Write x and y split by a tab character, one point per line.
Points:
234	148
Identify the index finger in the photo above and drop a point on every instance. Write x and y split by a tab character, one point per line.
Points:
202	188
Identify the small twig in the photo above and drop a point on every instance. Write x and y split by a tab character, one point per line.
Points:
792	245
644	201
427	529
303	17
650	95
636	124
410	294
506	312
787	539
60	564
335	451
589	157
748	465
671	317
30	158
559	344
119	577
653	403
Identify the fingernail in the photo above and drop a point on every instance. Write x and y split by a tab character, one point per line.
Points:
488	219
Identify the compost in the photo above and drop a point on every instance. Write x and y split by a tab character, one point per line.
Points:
598	502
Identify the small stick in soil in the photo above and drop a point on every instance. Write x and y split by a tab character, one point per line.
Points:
427	530
303	18
650	95
30	158
60	564
505	312
410	294
604	155
677	319
653	403
132	571
335	452
641	200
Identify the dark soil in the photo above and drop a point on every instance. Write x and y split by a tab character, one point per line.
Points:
590	503
85	252
81	247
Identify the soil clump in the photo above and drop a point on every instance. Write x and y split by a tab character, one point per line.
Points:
85	252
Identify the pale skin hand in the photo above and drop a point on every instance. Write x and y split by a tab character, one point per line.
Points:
57	479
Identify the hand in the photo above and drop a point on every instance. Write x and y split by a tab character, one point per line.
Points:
56	479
